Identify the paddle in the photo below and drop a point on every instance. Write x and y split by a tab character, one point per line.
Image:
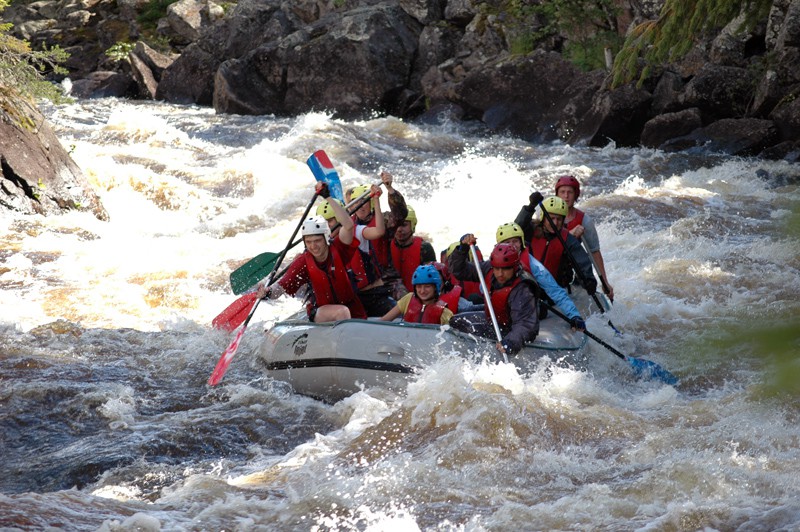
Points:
227	355
236	313
487	297
323	170
646	369
574	263
250	273
606	289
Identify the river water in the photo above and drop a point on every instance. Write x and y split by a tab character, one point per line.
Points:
105	342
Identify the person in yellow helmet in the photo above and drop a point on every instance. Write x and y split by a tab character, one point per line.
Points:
364	267
546	246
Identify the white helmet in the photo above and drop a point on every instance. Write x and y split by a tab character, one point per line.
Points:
316	225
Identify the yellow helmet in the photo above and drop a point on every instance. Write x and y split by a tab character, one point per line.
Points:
325	209
412	217
358	190
510	230
555	205
452	248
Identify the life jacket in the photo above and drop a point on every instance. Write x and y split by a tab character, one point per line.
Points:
549	252
419	313
380	246
406	260
472	287
499	299
451	298
365	267
578	220
332	286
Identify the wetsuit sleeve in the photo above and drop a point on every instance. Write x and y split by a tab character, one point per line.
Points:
524	319
525	220
553	290
590	234
398	210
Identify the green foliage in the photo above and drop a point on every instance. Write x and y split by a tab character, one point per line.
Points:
120	51
589	27
22	74
153	11
673	34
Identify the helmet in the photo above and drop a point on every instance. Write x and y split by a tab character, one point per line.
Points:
506	231
569	181
427	274
441	267
325	209
358	190
504	256
452	247
316	225
555	205
412	217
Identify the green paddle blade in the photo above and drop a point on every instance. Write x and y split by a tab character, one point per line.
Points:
250	273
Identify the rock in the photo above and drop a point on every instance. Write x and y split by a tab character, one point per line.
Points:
720	91
436	44
670	125
425	11
732	136
377	42
616	115
155	61
145	80
103	84
786	116
460	12
38	175
666	95
253	85
500	94
183	21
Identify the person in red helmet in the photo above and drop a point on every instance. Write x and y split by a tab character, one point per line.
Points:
582	227
512	293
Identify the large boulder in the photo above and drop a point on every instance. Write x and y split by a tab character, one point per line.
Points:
661	128
616	115
720	91
313	68
37	174
500	93
732	136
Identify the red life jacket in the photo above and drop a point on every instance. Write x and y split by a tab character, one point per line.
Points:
578	220
331	286
472	287
499	298
451	298
365	266
406	260
380	246
419	313
549	252
525	260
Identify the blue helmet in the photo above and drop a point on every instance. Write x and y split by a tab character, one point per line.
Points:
427	274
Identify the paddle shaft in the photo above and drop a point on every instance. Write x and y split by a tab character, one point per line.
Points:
354	204
602	277
227	355
558	313
487	297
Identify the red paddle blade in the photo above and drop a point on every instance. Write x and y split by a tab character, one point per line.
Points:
225	359
235	314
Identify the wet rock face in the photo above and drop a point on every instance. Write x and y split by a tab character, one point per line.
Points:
37	175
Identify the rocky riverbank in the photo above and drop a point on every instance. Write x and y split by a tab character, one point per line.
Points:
734	93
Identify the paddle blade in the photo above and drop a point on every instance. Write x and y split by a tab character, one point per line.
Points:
225	359
250	273
236	313
647	369
323	170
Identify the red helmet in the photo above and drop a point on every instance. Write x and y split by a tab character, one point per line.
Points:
569	181
442	269
504	256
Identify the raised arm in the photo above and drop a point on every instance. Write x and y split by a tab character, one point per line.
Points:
371	233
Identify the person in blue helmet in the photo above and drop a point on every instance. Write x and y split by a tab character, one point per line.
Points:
423	304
